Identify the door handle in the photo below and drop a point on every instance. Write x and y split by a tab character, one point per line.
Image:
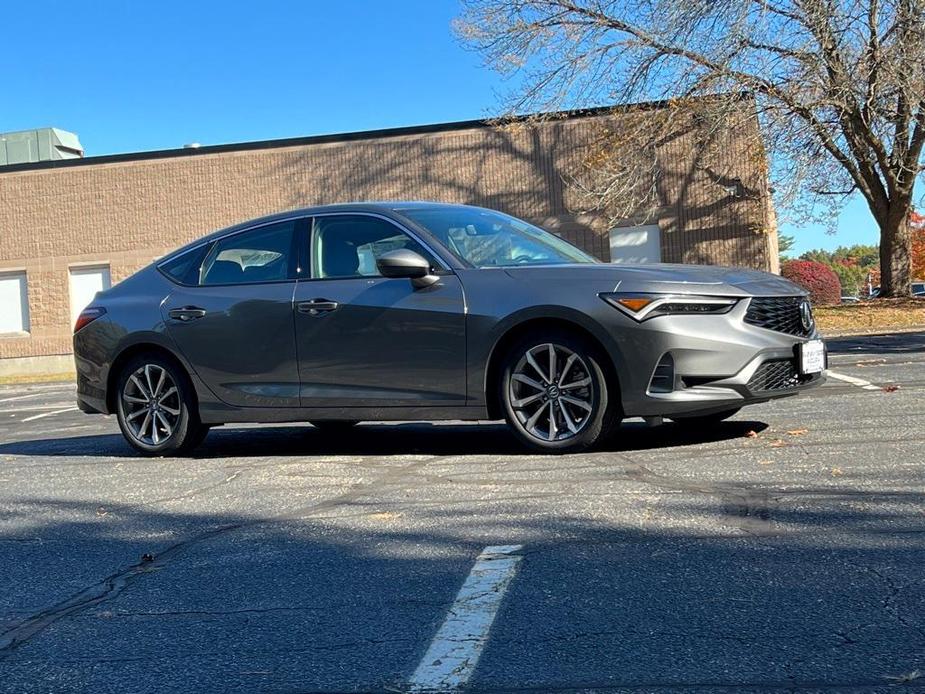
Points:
317	307
186	314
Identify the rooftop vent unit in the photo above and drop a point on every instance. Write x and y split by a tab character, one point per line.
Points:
44	144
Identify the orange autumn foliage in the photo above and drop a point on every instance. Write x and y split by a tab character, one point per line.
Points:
917	233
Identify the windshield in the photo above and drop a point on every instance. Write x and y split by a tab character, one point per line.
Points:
484	238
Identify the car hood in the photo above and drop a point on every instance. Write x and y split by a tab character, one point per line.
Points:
662	278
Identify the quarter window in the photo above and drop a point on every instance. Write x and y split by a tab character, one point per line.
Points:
349	245
261	255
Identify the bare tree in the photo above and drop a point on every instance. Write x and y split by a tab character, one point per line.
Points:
839	85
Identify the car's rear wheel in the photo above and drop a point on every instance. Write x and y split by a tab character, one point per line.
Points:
156	409
555	395
698	420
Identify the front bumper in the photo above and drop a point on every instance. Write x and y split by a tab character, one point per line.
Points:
715	363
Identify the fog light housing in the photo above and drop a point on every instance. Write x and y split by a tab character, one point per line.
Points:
662	380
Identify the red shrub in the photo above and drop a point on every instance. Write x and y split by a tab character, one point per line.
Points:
819	280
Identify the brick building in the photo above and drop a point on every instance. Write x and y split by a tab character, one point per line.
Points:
70	227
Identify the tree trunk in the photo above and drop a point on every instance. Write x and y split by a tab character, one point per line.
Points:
895	253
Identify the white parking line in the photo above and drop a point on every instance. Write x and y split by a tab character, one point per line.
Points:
26	407
859	382
21	397
455	650
48	414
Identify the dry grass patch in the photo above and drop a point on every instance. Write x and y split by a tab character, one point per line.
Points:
38	378
871	316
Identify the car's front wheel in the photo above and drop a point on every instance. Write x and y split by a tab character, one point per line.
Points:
156	409
555	395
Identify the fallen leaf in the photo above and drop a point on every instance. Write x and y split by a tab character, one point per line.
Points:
836	471
765	462
778	443
751	434
890	389
905	677
798	432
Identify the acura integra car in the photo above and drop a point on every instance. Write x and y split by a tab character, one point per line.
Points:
425	311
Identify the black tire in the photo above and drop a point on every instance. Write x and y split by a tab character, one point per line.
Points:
591	425
185	431
699	420
335	426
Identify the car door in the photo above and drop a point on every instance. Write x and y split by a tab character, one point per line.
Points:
234	320
370	341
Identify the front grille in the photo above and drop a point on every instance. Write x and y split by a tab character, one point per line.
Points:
777	375
779	313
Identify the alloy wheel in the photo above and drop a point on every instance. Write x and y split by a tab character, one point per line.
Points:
551	392
151	404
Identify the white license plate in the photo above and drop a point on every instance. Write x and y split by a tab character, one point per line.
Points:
812	357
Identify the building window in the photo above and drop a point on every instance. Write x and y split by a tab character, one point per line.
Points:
638	244
85	282
14	303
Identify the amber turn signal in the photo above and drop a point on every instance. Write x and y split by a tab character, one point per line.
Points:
635	303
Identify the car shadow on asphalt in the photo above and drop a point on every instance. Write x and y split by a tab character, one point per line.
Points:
415	438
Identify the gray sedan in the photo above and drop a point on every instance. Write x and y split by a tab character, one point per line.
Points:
427	311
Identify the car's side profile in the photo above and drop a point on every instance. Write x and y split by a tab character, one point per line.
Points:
397	311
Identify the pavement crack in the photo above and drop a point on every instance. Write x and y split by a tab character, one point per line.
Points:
113	585
196	492
103	591
889	602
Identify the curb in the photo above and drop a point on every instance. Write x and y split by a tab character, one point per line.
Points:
875	332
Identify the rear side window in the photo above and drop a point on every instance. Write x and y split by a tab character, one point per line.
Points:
264	254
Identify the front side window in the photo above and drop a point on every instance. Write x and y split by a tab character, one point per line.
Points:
349	245
261	255
483	238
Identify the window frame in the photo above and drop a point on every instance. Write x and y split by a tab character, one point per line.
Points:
294	270
440	268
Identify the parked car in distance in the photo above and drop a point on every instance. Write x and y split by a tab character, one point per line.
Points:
398	311
917	288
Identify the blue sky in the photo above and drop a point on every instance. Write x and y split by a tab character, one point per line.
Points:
131	75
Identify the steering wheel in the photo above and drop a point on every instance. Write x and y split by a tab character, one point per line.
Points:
521	259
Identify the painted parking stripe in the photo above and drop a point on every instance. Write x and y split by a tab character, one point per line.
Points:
27	407
859	382
21	397
455	650
49	414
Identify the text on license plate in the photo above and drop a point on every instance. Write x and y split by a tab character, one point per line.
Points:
812	357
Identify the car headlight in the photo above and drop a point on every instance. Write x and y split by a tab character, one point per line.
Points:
641	307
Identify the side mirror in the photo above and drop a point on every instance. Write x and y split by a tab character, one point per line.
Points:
405	263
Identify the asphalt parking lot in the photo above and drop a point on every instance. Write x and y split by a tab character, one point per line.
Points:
781	550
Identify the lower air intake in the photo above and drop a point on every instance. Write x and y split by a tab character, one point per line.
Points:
662	380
